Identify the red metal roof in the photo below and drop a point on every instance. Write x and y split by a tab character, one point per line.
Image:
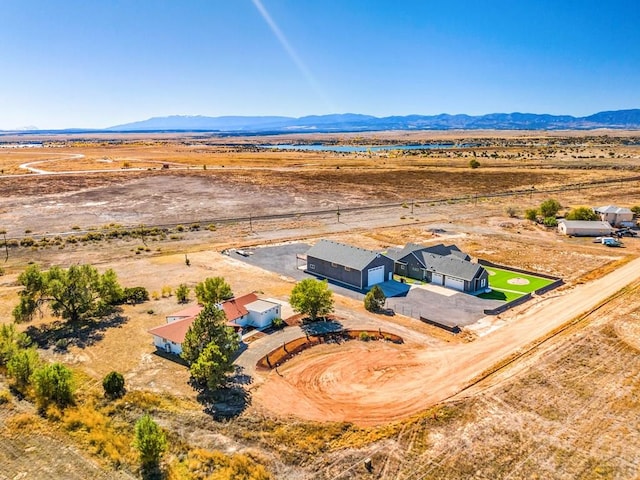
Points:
191	311
174	331
235	308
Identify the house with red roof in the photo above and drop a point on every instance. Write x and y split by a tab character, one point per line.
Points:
241	312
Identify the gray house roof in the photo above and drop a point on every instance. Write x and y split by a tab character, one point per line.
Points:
342	254
612	209
439	249
449	265
586	224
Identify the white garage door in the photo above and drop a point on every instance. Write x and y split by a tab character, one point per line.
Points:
376	275
436	278
454	283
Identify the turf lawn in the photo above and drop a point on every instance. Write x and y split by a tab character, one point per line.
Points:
501	289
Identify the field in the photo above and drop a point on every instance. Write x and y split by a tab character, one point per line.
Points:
508	285
546	390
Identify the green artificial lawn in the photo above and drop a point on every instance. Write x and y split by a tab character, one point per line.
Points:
502	290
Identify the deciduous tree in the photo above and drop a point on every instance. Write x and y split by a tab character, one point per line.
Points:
73	294
213	290
312	297
550	208
582	213
182	293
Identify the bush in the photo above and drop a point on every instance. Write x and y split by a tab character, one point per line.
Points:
277	322
135	295
582	213
113	384
22	365
510	211
364	337
473	163
531	214
550	222
53	384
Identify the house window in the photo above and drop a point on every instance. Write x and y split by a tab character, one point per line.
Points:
333	265
165	340
312	266
403	267
347	269
483	282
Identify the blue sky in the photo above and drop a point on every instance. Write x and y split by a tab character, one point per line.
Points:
86	63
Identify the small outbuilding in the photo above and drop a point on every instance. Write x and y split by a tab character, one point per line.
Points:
353	266
616	216
584	228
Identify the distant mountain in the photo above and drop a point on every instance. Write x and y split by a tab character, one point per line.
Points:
620	119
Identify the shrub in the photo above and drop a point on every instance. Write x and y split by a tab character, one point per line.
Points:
22	365
135	295
180	228
27	242
53	384
364	337
166	291
550	222
277	322
531	214
473	163
113	384
510	211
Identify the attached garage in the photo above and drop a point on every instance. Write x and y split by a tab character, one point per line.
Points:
437	278
376	275
454	283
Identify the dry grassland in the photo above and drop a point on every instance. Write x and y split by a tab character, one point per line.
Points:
569	409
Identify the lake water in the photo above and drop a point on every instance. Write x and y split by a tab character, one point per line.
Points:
360	148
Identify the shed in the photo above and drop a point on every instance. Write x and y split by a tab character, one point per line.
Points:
584	228
353	266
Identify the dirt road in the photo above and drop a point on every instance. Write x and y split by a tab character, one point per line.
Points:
374	383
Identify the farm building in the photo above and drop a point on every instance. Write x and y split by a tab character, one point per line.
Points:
616	216
583	228
440	265
248	310
352	266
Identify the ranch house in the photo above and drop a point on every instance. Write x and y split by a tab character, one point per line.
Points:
241	312
355	267
441	265
616	216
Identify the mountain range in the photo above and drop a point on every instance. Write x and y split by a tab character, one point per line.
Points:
618	119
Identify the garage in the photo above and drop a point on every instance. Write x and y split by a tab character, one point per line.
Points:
375	275
454	283
436	278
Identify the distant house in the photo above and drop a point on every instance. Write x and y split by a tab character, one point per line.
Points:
584	228
241	312
353	266
440	265
616	216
